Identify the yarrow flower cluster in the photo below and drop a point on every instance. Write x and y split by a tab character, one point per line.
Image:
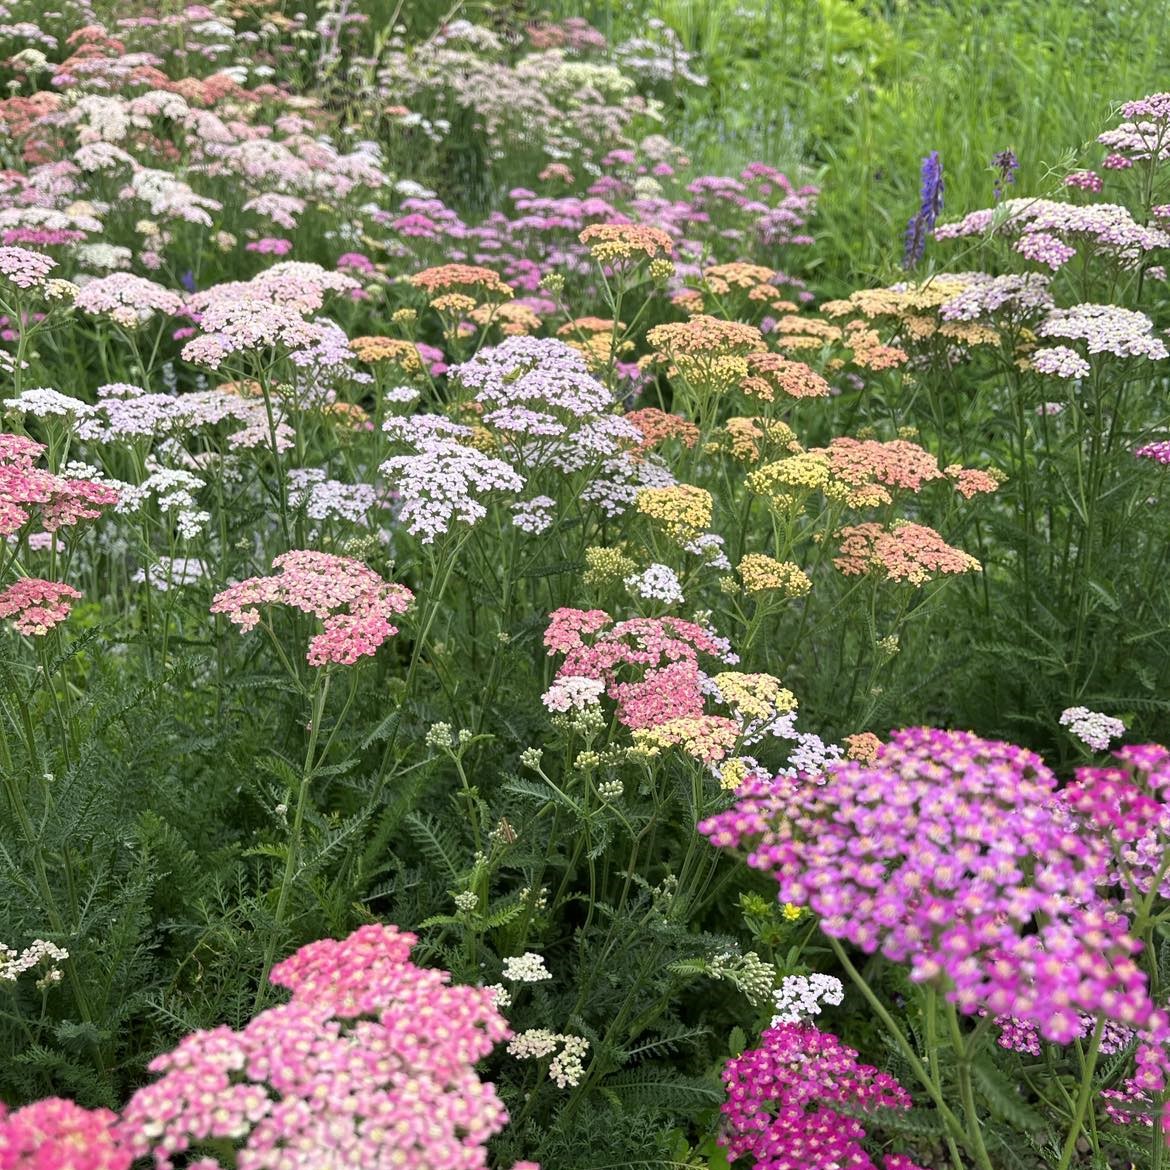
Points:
54	1134
370	1064
445	481
781	1097
567	1066
657	583
1158	451
353	603
35	606
800	996
526	968
1091	727
14	963
954	855
904	552
61	502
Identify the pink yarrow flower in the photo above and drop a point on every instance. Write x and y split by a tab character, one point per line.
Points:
54	1134
371	1064
36	605
353	602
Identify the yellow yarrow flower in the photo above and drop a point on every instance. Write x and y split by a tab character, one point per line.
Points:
683	510
763	574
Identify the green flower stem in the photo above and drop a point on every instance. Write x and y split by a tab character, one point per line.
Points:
294	843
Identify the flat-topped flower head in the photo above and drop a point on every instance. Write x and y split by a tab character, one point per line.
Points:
956	856
1143	134
902	552
682	511
771	375
340	1076
1051	232
354	604
704	336
761	573
25	269
55	1134
867	468
447	482
26	489
1093	728
1124	333
454	278
126	299
1128	803
612	243
540	373
781	1095
1158	451
35	605
396	350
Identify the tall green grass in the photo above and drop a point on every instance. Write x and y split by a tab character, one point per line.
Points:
858	93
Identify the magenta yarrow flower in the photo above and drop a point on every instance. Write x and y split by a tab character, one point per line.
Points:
1159	452
353	603
956	856
781	1096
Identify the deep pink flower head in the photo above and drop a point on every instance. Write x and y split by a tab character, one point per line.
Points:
54	1134
956	856
1128	805
781	1098
354	604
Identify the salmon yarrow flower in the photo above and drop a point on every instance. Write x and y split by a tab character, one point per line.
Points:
609	243
863	746
737	274
657	427
870	352
771	375
353	603
763	574
704	339
751	439
683	510
903	552
867	468
35	606
973	481
446	278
